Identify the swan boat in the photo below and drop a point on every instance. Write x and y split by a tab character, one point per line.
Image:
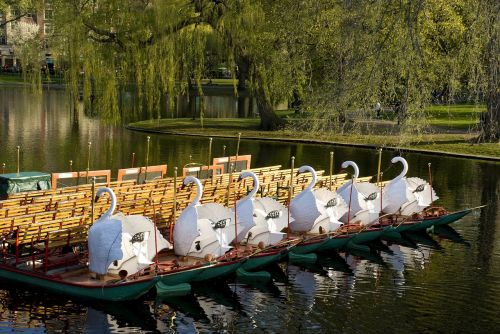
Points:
267	218
407	205
94	263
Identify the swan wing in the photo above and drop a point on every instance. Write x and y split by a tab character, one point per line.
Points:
135	224
422	191
335	206
369	196
222	221
270	206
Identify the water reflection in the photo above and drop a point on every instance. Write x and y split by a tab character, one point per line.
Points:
417	284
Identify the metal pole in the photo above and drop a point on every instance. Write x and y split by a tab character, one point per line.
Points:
331	169
3	168
209	154
238	145
147	160
156	241
133	159
224	151
71	165
18	162
379	164
290	191
430	180
88	161
229	182
92	201
349	210
175	206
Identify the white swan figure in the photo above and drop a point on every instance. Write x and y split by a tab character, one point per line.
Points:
265	216
118	242
406	195
313	210
204	229
364	200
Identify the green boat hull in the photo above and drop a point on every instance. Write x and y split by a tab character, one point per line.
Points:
253	277
302	258
310	246
367	236
258	260
118	292
336	242
183	276
218	270
452	217
168	290
429	222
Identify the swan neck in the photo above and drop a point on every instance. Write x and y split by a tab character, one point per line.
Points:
314	178
405	169
199	192
112	207
254	190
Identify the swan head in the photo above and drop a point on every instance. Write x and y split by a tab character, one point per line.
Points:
399	159
189	179
102	191
352	164
245	175
305	168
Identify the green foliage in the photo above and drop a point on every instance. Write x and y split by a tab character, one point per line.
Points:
334	57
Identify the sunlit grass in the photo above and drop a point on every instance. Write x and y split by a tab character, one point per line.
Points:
462	143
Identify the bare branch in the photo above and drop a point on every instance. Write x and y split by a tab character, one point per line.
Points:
18	17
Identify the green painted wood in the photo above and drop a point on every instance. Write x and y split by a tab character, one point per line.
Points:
218	270
253	276
299	258
112	292
165	290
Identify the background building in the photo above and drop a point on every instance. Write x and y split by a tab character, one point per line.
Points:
9	61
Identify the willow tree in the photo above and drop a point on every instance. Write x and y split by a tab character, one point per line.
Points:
395	52
159	48
481	63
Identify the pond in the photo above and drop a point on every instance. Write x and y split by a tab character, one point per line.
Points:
445	281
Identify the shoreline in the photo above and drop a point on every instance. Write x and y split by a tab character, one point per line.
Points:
318	141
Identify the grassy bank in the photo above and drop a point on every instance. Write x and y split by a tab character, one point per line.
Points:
17	78
456	143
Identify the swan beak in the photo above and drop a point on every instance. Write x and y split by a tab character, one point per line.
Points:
240	178
96	199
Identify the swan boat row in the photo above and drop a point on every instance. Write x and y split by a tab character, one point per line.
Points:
124	257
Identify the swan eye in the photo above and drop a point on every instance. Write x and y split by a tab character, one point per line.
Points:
197	246
273	214
255	215
331	203
371	197
420	188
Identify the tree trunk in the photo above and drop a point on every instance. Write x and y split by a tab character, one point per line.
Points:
268	119
243	66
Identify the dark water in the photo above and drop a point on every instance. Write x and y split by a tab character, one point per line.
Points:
444	282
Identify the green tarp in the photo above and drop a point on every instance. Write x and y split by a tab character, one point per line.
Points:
26	181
